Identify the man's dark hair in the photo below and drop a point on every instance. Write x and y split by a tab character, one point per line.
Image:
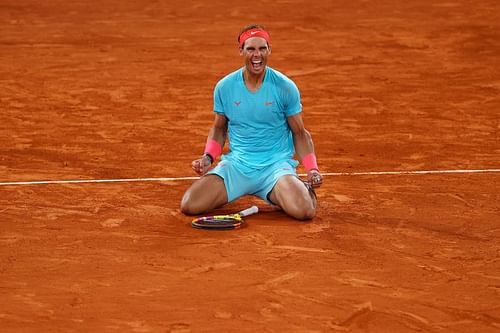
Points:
250	27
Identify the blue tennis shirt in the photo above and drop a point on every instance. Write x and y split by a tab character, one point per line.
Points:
258	131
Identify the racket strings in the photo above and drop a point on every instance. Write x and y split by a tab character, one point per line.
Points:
218	222
229	216
223	222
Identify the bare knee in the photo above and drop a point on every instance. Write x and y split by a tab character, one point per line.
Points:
294	198
307	214
302	210
300	207
187	205
204	195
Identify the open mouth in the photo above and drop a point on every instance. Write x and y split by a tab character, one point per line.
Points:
256	64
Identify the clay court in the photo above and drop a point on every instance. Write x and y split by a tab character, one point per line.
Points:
402	99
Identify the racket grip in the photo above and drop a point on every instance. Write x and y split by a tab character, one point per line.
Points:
249	211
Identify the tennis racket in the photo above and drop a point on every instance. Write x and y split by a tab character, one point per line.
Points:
223	222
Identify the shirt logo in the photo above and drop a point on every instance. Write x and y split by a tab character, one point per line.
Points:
237	103
268	103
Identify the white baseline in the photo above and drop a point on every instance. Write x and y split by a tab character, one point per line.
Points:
172	179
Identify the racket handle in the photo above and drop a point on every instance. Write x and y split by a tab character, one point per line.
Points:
249	211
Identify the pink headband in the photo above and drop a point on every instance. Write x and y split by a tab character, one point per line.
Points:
257	32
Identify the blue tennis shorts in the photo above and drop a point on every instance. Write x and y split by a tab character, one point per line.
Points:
240	181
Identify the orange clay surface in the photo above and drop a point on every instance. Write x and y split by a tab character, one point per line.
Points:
123	89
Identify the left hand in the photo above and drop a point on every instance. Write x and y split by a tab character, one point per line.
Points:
314	178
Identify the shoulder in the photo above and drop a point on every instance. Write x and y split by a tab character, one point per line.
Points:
281	81
229	80
279	77
287	92
283	84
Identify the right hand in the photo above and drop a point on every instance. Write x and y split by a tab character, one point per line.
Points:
201	165
314	178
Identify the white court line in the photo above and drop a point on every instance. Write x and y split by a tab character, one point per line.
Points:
170	179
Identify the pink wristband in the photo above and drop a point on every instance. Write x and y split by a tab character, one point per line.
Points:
213	148
309	162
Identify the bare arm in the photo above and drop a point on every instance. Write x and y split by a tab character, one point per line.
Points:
303	145
301	137
217	132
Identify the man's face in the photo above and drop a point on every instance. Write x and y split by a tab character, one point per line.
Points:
255	52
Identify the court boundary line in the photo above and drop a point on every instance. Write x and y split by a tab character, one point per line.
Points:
173	179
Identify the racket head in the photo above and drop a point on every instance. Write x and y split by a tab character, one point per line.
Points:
218	222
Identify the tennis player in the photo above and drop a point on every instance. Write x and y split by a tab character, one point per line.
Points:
259	110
